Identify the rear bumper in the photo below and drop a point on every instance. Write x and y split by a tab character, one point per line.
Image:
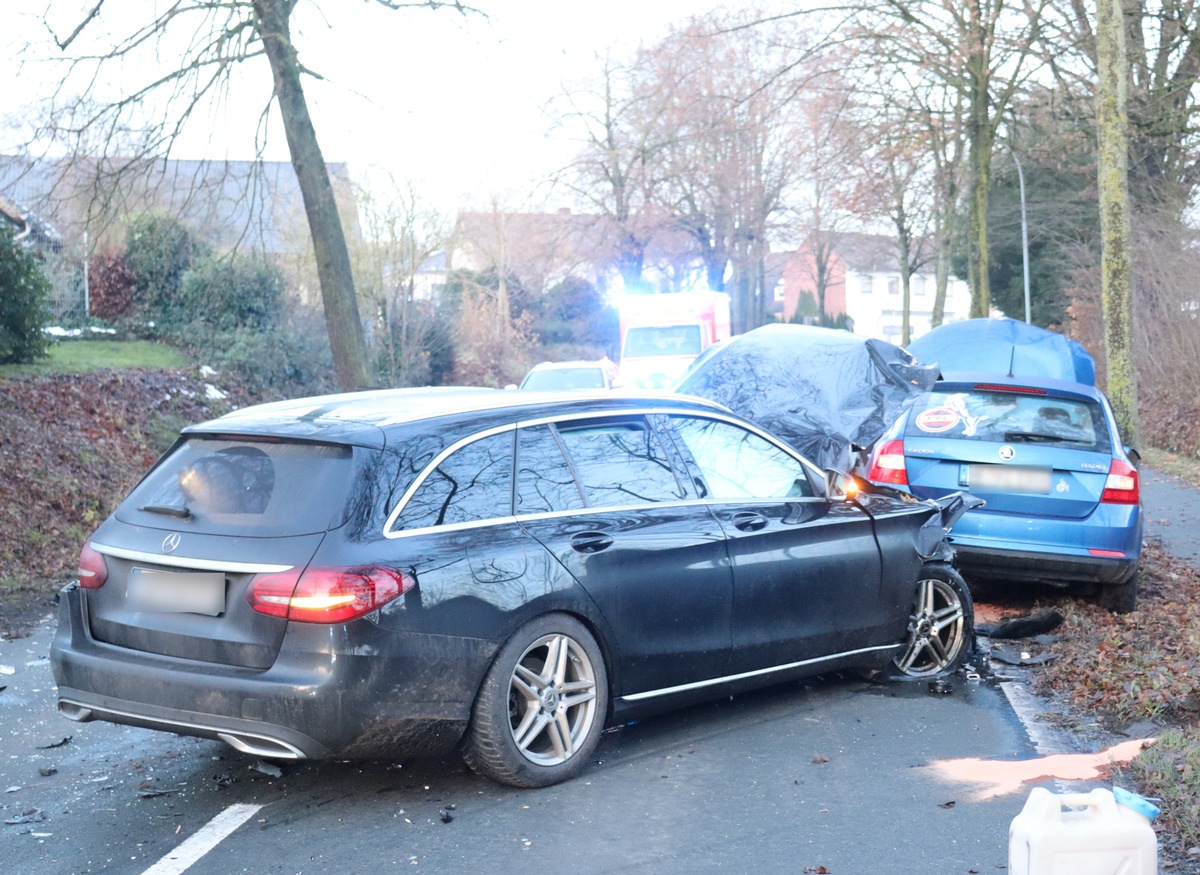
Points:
1041	567
1057	550
352	690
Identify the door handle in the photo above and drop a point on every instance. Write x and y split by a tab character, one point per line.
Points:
749	522
590	542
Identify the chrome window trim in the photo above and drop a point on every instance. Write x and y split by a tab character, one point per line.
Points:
185	562
544	515
699	685
389	533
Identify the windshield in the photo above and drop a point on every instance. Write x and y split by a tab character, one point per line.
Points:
662	340
243	487
1010	417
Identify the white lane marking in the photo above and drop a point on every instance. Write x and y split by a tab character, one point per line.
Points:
208	837
1045	739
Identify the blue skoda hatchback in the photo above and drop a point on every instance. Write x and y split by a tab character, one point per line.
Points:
1060	491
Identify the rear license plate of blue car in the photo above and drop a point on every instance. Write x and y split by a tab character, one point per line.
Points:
1005	478
190	592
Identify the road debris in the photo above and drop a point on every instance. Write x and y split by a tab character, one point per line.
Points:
31	815
268	769
1037	623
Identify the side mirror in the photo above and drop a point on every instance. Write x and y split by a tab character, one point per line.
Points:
839	485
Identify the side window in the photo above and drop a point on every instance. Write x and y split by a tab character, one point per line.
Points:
620	463
736	463
544	480
472	483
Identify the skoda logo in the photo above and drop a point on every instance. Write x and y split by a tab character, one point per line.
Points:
1006	453
170	543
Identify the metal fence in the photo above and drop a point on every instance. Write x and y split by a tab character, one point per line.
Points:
67	273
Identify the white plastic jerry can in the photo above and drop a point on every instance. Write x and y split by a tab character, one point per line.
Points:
1083	834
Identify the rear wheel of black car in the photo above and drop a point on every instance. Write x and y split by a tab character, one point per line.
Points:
941	625
1120	598
541	709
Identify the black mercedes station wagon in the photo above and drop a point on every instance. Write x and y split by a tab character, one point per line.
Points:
397	573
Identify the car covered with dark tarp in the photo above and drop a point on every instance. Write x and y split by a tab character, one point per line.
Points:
827	392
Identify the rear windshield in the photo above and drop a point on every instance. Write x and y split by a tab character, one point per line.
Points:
242	487
662	340
1010	417
556	379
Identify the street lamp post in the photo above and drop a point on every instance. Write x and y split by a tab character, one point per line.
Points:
1024	234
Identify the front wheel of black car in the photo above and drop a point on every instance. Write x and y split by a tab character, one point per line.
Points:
541	709
941	625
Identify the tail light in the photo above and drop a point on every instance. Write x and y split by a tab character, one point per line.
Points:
887	464
327	595
93	573
1121	487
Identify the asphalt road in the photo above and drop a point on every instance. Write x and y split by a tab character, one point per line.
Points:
836	773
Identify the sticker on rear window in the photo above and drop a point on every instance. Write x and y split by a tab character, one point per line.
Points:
937	419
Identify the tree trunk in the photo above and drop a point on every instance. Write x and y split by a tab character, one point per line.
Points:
329	240
979	151
1116	261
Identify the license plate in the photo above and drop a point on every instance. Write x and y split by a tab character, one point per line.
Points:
1007	478
182	592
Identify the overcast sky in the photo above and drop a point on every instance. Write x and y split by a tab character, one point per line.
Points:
455	104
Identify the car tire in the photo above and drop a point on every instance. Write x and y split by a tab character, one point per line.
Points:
1120	598
542	706
941	626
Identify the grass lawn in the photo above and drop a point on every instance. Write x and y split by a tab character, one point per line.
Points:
81	356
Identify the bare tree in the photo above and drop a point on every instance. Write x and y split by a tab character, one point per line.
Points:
402	234
207	40
980	49
620	164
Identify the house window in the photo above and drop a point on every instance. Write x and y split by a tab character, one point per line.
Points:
864	284
893	285
918	284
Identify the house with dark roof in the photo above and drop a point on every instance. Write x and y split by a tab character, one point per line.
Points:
28	229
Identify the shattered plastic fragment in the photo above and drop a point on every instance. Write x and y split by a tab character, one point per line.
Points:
32	815
268	769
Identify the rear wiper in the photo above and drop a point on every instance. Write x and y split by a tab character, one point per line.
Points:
175	510
1039	437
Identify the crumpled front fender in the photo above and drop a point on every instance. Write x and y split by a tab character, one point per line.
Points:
931	539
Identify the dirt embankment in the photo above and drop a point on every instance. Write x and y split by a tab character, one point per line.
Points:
71	445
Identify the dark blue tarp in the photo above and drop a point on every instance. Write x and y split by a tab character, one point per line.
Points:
822	390
1004	346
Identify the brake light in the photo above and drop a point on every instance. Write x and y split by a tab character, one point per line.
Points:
1019	390
887	465
1121	487
327	595
93	573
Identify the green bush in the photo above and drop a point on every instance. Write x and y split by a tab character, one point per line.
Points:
229	292
160	250
24	312
289	360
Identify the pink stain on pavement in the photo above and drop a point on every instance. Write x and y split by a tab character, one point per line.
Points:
1001	777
